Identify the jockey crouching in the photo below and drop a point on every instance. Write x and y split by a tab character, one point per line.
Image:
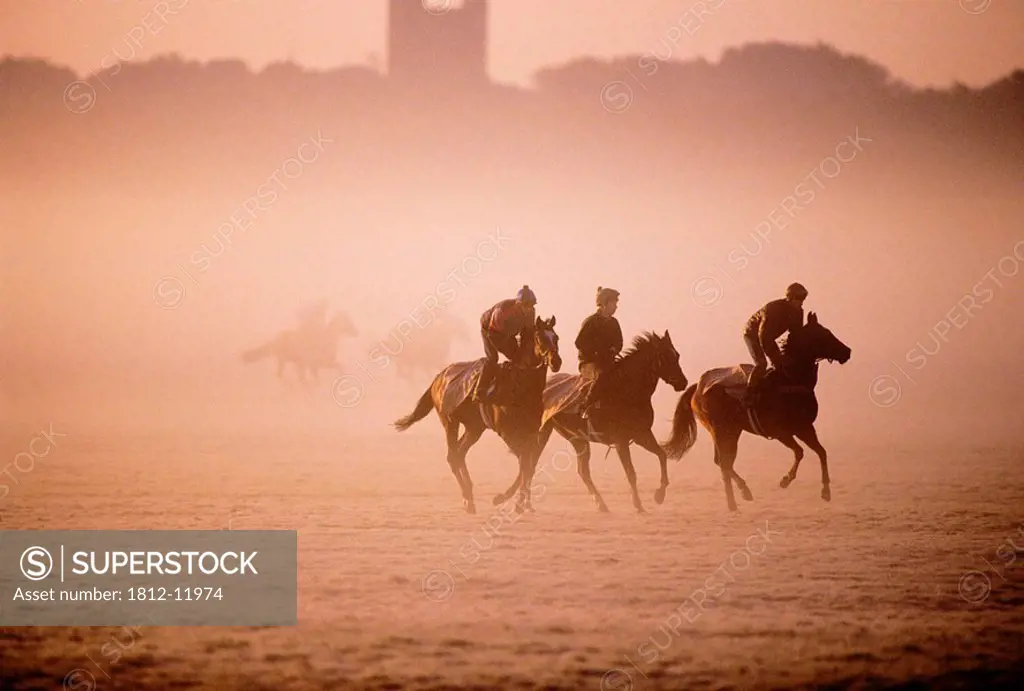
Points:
500	327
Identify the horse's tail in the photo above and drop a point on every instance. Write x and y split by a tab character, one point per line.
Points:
423	408
263	351
684	427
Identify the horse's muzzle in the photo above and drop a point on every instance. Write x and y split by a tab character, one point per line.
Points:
680	384
556	363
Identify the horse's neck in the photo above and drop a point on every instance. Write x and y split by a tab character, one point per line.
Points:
805	372
530	380
635	376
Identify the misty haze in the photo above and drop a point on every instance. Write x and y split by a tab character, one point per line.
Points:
225	279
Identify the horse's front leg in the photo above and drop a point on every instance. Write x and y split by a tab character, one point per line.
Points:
798	454
646	440
810	437
528	454
527	466
622	448
507	494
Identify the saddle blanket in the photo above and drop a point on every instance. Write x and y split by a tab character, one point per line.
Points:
732	379
564	392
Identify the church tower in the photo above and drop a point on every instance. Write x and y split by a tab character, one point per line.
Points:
434	43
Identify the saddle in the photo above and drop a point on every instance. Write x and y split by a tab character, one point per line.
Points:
773	386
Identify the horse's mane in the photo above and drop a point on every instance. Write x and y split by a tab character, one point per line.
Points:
792	339
641	343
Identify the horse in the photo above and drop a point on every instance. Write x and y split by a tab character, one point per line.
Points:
309	350
624	415
514	412
787	407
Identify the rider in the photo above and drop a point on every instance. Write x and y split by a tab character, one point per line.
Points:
499	327
599	342
765	326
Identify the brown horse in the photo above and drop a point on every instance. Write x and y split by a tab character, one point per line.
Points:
309	348
514	412
787	407
624	415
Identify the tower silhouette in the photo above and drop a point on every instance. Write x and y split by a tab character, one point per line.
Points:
433	43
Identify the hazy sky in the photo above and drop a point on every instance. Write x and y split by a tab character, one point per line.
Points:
925	42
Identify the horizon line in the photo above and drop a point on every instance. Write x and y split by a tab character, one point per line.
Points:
893	79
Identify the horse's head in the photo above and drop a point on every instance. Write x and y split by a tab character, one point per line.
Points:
667	362
813	342
341	325
660	357
545	343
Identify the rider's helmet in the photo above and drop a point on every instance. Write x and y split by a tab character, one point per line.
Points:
526	297
795	291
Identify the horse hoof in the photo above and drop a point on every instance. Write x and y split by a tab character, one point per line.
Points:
641	509
748	495
826	493
659	495
498	499
470	508
785	482
601	508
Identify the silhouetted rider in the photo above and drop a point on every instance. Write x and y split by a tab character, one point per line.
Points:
599	342
764	327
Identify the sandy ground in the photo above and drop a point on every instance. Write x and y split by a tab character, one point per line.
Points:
900	580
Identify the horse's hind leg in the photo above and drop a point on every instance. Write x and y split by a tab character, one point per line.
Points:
744	490
810	437
582	448
472	436
451	434
725	456
798	455
740	482
507	494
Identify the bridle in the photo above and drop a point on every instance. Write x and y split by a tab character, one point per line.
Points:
544	360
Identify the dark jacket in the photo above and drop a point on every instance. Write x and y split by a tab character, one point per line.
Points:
773	320
599	340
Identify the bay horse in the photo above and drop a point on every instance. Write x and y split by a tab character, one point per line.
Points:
309	349
514	412
624	415
787	407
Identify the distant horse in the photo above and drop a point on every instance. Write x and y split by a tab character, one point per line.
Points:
514	413
624	415
428	349
787	407
308	349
